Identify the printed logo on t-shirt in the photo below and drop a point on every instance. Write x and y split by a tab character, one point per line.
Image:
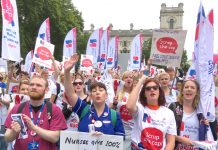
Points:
124	113
146	118
182	127
152	138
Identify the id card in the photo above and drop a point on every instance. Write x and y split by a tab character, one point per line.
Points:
33	145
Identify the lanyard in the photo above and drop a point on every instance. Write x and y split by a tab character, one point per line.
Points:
31	114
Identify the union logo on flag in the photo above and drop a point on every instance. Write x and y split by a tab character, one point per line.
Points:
42	36
93	43
69	43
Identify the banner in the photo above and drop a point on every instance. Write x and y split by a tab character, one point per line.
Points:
104	46
44	34
69	47
71	140
44	31
203	52
167	47
43	53
112	54
136	53
93	44
86	63
10	31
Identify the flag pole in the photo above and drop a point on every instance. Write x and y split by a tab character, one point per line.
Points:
174	79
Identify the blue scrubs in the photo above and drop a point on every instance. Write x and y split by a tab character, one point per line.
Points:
106	126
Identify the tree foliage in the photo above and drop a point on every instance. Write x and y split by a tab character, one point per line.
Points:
63	17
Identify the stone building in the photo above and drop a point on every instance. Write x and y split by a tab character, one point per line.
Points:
170	18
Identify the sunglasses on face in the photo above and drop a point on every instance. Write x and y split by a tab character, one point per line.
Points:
76	83
148	88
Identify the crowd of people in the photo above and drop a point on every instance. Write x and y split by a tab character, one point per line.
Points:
153	113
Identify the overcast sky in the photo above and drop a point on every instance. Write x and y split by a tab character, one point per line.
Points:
144	14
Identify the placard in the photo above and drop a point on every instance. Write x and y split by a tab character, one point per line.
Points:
86	63
71	140
167	47
43	53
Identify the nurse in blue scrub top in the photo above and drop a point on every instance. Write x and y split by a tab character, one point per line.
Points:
97	115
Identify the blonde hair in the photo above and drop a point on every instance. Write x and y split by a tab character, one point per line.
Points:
163	74
121	93
197	97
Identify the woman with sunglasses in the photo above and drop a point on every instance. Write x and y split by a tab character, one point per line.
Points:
97	115
154	124
186	115
71	117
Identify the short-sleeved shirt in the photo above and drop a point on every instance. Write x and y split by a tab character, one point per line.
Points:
189	129
3	85
151	126
103	123
57	122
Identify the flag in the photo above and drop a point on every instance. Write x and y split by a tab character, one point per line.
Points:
69	47
93	44
104	46
10	31
112	53
204	66
44	31
136	52
203	59
191	73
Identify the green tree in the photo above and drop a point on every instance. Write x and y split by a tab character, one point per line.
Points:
63	17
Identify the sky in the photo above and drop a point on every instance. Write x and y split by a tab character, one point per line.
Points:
144	14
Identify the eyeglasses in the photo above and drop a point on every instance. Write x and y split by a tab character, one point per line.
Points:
76	83
148	88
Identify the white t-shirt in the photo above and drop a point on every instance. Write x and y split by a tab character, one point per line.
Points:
126	117
189	128
171	98
52	88
151	126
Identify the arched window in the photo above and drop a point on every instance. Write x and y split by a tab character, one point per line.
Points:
172	23
124	50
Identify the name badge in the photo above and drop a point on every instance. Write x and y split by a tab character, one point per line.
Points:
33	145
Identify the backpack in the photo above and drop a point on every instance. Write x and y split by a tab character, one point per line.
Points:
58	91
49	113
48	106
113	114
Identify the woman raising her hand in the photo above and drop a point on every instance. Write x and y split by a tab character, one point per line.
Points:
154	124
99	115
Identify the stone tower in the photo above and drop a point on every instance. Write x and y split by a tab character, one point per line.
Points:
171	17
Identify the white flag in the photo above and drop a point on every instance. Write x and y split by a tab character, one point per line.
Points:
93	45
69	47
10	31
44	31
136	53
